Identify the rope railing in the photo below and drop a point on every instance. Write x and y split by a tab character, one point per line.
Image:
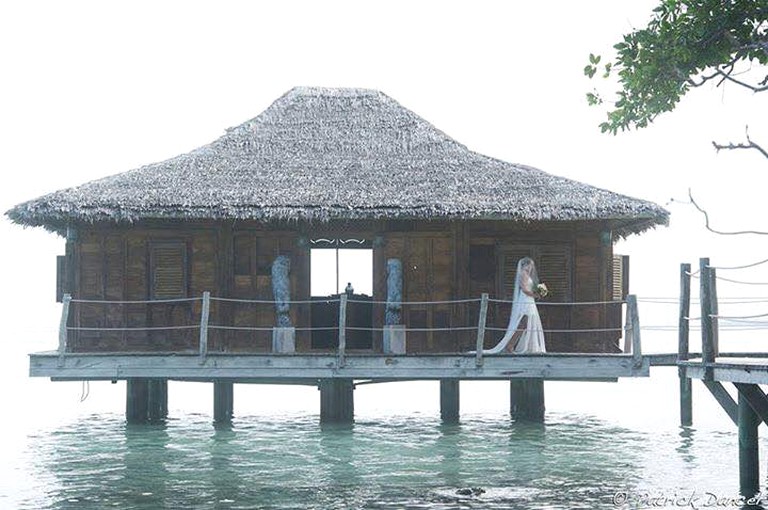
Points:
271	302
737	317
583	330
136	302
745	266
562	303
138	328
210	320
417	303
740	282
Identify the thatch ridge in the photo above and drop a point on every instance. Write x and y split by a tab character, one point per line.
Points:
321	154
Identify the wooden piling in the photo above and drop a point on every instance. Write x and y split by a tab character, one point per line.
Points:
223	401
146	400
337	403
449	401
634	315
707	327
683	346
749	458
526	399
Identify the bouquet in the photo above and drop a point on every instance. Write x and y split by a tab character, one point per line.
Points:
540	290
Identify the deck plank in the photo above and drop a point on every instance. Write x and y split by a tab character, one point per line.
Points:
296	367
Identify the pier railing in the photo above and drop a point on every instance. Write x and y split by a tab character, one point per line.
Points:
208	324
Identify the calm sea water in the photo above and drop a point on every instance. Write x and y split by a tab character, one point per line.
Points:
386	460
572	461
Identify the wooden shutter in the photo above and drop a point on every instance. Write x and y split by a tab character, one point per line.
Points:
168	262
620	277
553	264
61	277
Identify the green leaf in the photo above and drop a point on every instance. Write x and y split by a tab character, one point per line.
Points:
593	99
594	59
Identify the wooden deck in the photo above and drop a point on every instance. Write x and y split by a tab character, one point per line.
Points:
297	368
748	370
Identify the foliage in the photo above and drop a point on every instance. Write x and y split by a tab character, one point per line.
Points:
686	44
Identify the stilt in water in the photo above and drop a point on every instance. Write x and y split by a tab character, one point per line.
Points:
223	401
686	391
526	402
337	402
449	401
749	461
146	400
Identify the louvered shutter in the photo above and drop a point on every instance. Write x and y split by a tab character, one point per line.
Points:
169	270
554	267
620	277
61	278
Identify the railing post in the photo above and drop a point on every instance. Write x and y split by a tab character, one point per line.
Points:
342	329
707	329
714	307
683	345
481	329
204	315
637	353
66	300
627	329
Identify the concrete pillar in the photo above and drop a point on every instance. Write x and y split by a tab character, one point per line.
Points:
146	400
749	461
337	402
449	401
526	399
223	401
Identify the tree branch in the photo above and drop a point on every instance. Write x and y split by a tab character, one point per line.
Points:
753	88
749	145
719	232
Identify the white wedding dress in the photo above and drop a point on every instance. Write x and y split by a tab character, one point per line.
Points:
523	305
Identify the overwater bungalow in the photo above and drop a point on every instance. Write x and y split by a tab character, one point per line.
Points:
199	267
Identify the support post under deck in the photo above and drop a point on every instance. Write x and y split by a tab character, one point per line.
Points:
449	401
686	390
337	402
749	461
223	401
146	400
526	399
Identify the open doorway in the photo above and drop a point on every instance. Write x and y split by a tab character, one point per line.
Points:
340	266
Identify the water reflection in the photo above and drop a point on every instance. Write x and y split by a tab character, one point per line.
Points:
385	463
685	445
145	456
225	467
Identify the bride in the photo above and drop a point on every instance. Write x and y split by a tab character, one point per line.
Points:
524	332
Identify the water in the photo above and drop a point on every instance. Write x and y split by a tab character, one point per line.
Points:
600	442
402	462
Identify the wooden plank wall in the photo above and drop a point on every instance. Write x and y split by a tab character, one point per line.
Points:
442	261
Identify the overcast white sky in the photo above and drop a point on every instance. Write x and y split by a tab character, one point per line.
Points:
90	89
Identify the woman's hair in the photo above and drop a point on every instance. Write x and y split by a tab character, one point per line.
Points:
528	262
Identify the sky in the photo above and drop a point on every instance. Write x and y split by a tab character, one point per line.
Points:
90	89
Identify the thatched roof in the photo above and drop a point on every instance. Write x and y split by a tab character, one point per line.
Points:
319	154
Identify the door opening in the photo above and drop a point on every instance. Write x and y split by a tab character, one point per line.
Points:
341	266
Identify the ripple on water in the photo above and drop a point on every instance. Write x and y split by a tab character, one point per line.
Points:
287	461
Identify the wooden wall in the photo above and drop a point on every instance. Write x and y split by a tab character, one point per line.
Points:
442	261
